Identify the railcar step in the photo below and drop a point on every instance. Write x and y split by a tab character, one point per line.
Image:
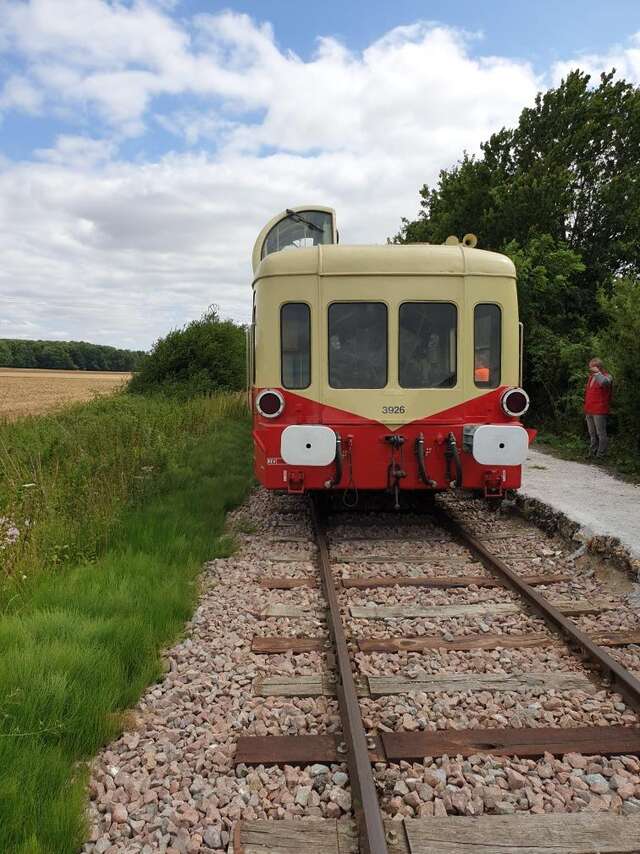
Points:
275	645
445	581
380	686
576	833
574	607
524	742
488	641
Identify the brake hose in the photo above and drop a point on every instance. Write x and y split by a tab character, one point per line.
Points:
422	469
452	453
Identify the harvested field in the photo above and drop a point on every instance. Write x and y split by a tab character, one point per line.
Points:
28	391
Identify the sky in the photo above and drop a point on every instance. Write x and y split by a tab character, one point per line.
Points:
144	143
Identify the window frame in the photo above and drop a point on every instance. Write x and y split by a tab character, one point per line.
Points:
386	339
457	347
489	385
283	305
263	249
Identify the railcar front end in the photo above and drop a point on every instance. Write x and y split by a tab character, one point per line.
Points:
391	367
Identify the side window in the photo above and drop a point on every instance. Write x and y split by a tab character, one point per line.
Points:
427	345
358	345
487	345
295	344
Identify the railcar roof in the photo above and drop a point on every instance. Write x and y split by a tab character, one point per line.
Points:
390	259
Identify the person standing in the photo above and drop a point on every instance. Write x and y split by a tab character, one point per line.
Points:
597	402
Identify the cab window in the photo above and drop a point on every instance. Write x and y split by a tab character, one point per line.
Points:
295	344
427	345
487	345
358	345
299	230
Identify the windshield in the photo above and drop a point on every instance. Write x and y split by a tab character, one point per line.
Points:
298	230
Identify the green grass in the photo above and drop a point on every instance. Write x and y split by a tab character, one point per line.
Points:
80	635
622	460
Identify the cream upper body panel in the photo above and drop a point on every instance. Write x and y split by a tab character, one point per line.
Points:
392	275
413	259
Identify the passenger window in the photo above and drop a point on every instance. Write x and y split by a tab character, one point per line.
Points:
299	230
428	344
295	344
358	345
487	346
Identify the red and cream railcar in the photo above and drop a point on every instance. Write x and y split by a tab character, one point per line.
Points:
392	367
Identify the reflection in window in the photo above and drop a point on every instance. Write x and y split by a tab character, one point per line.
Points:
312	228
487	339
295	344
427	352
358	345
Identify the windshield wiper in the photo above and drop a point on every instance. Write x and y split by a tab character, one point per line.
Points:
296	216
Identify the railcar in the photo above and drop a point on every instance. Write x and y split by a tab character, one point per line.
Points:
393	367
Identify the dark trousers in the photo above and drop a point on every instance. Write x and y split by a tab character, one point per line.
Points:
597	427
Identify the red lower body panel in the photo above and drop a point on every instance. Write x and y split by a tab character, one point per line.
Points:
369	459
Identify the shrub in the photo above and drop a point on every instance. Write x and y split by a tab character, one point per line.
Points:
204	357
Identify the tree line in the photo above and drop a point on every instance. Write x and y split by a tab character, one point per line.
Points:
67	355
560	194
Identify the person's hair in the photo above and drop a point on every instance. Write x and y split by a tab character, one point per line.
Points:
596	362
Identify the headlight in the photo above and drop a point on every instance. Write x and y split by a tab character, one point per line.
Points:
515	402
270	403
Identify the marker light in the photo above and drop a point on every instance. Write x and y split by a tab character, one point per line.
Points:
515	402
270	403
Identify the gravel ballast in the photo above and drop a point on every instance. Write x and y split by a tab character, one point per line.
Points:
169	783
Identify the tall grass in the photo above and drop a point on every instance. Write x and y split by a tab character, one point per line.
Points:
129	499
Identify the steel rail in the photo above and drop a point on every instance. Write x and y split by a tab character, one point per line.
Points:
371	832
622	680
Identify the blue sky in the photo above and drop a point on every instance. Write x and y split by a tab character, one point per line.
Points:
143	144
543	31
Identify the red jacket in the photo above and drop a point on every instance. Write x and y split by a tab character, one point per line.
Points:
597	394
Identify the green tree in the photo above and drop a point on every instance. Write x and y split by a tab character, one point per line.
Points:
619	342
6	356
560	193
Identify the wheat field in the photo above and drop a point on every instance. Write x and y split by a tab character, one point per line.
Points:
28	391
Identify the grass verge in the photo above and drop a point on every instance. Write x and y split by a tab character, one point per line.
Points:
80	636
621	461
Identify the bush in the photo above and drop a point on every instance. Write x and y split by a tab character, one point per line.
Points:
204	357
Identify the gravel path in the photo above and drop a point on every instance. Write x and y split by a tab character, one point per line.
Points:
600	503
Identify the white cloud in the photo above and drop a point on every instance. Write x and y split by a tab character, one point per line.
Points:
118	251
624	58
20	94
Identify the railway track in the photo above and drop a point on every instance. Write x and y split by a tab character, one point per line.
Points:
458	598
